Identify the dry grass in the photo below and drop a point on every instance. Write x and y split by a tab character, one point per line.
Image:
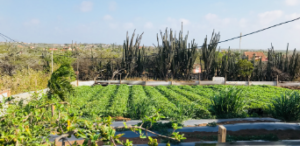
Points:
25	81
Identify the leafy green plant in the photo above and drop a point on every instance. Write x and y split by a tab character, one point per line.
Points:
286	107
228	104
159	126
152	142
212	124
59	83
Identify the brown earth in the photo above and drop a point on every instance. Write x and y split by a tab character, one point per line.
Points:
121	119
196	136
292	87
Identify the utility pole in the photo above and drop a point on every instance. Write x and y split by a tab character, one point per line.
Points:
199	70
77	67
52	60
240	40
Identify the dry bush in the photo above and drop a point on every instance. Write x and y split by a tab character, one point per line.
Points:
25	80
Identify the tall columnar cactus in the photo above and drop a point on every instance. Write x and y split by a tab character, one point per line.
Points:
141	61
130	53
286	59
259	72
293	66
166	53
175	56
229	68
208	53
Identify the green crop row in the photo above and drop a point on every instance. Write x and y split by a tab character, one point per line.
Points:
160	101
118	106
139	104
256	96
191	96
95	102
175	102
178	99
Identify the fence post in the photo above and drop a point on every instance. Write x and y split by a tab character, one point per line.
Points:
222	134
145	83
8	93
225	79
52	110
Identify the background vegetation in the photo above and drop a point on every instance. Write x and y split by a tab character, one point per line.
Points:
27	67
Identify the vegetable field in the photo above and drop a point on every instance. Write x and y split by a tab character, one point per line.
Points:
174	102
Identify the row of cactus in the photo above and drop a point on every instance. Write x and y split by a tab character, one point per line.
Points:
176	57
208	52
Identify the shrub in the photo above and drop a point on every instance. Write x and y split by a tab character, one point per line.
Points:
228	104
59	83
286	107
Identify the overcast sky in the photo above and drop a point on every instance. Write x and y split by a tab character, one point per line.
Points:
106	21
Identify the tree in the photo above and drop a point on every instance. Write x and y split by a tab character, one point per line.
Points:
245	68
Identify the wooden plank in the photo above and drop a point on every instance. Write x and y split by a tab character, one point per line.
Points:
222	134
52	109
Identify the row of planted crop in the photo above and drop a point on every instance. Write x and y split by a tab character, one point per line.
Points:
138	101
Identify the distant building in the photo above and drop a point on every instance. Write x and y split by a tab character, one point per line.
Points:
196	68
54	49
258	55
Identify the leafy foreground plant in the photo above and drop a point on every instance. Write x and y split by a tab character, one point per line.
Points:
59	83
286	107
212	124
228	104
32	124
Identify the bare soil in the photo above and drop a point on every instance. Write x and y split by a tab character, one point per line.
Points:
292	87
206	136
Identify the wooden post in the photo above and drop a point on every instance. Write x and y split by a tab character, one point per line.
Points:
35	82
225	79
277	81
171	82
248	81
52	110
8	93
222	134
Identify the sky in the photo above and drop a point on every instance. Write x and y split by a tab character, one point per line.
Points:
107	21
